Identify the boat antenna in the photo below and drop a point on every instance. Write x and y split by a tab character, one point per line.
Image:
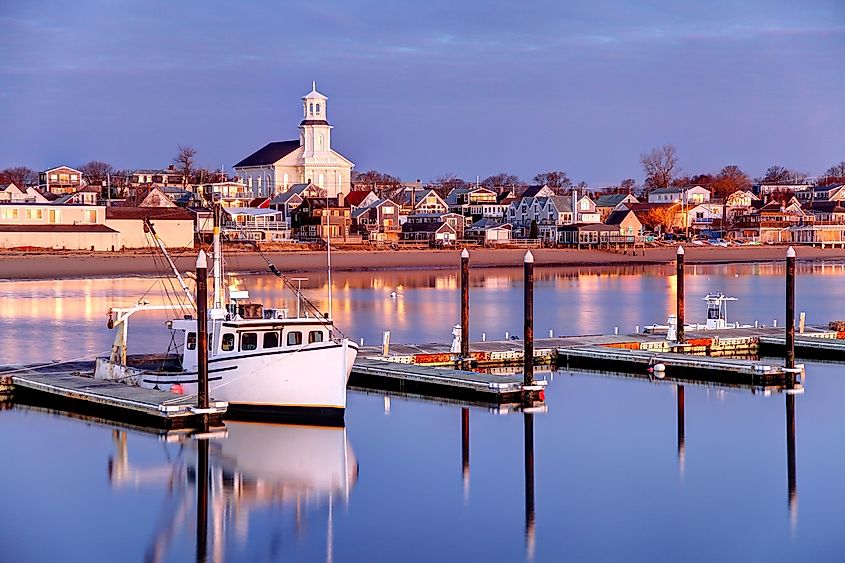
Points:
218	262
329	251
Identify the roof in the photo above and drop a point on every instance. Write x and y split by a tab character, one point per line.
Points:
611	200
429	227
532	191
488	223
827	188
158	213
616	217
314	94
355	197
60	167
56	229
589	227
269	153
669	190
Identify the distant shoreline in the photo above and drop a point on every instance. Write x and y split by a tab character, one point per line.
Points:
74	265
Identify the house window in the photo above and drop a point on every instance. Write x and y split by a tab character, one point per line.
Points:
54	177
191	341
585	205
91	215
271	340
294	338
54	216
315	336
249	341
74	177
228	342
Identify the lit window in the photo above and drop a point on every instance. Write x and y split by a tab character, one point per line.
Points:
249	341
191	342
228	342
315	336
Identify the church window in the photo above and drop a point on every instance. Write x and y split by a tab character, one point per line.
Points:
320	140
286	180
318	109
311	109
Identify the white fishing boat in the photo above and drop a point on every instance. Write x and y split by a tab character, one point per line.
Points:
262	361
717	317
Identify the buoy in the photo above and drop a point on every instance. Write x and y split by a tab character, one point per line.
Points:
542	394
177	388
393	295
659	371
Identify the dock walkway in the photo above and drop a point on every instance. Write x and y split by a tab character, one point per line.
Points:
113	400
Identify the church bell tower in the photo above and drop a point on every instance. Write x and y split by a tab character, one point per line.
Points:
314	130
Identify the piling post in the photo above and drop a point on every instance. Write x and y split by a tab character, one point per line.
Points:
465	357
528	310
679	293
790	311
202	335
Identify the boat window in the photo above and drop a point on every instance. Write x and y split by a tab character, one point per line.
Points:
228	343
249	341
294	338
271	339
315	336
191	342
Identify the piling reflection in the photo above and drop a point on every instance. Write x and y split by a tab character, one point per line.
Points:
296	471
681	432
792	485
530	533
465	452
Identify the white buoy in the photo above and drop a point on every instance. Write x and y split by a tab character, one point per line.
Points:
484	337
616	330
551	333
507	335
659	371
637	329
362	342
775	323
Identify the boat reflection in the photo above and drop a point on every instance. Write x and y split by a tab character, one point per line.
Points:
298	471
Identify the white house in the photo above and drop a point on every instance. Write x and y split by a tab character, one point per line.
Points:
688	196
549	212
276	166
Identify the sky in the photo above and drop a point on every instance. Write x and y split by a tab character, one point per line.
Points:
421	89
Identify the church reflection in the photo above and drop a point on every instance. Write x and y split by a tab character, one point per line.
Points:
297	472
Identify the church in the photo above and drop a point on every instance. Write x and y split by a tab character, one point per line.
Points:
275	167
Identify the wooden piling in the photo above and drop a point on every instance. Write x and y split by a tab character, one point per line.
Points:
465	306
679	293
202	336
790	310
528	310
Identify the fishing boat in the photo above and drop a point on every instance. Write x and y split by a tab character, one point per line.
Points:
265	362
717	317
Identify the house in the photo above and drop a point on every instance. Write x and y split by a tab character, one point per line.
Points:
458	222
360	198
489	231
278	165
44	225
477	202
627	221
550	211
587	234
769	223
10	193
439	233
254	223
764	189
288	201
538	191
830	192
608	203
173	225
686	196
161	177
321	217
88	195
230	193
704	216
378	221
60	180
427	201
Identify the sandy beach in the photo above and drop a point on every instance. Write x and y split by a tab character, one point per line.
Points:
84	265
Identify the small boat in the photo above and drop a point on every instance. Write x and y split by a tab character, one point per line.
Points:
717	317
264	362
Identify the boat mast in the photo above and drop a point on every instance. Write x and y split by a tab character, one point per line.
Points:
329	251
218	259
149	225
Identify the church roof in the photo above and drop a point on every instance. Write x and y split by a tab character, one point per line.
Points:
314	94
269	153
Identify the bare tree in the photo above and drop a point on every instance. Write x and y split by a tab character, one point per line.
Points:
660	165
185	161
375	180
95	172
555	179
21	176
662	216
502	179
448	182
834	175
628	186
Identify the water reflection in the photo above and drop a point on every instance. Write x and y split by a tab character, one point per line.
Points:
465	452
528	450
792	485
252	466
682	446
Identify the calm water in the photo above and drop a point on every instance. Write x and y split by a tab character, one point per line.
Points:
613	479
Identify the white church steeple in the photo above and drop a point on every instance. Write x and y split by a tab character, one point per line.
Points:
315	131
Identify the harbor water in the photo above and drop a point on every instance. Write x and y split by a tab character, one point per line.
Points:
618	467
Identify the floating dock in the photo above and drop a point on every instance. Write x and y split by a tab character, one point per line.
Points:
439	381
116	401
